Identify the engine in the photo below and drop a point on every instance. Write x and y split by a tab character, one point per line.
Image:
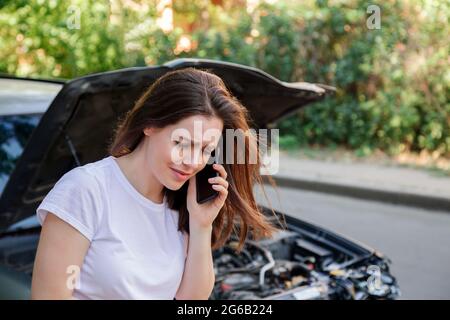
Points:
292	267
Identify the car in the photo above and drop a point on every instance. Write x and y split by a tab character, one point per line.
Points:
69	123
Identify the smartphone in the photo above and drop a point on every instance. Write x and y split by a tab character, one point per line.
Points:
205	192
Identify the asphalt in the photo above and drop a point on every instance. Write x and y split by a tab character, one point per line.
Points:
390	184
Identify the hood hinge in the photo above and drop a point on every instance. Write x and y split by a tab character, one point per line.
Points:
72	149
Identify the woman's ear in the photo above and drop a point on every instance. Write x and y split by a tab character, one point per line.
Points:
148	131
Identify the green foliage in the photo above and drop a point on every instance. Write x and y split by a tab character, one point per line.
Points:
393	83
67	39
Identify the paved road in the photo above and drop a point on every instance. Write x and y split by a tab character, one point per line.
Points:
417	241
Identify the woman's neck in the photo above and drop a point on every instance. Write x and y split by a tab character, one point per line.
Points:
136	168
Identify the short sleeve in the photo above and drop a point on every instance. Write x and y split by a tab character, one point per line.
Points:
76	199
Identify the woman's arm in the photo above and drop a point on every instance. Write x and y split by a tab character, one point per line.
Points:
60	254
198	277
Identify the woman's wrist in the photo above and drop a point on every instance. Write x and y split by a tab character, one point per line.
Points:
200	229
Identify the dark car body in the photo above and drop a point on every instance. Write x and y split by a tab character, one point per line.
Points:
302	262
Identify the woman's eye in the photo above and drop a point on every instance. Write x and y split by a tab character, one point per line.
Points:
183	145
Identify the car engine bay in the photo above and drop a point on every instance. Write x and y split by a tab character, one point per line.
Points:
294	267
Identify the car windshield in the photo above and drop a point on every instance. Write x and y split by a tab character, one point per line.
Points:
15	130
22	104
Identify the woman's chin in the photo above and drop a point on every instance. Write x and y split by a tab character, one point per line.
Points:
174	185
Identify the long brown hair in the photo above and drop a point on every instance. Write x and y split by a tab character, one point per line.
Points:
200	92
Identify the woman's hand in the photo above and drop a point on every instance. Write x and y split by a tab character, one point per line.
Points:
201	216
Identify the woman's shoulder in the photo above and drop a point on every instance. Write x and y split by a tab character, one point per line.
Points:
91	174
78	198
82	185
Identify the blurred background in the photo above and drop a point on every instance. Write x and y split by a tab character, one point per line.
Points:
371	161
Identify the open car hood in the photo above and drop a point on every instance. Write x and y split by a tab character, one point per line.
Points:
78	125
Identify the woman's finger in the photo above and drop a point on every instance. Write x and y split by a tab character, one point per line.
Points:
223	191
219	180
221	170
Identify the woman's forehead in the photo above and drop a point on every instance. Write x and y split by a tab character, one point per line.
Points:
198	120
197	129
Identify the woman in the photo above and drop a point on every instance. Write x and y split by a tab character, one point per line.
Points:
128	226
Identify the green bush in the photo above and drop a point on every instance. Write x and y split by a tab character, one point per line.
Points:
393	83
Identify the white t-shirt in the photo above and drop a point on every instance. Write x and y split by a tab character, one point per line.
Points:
136	251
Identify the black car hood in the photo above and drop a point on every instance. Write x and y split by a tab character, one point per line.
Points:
81	118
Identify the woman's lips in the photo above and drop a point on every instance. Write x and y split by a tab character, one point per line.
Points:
179	175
